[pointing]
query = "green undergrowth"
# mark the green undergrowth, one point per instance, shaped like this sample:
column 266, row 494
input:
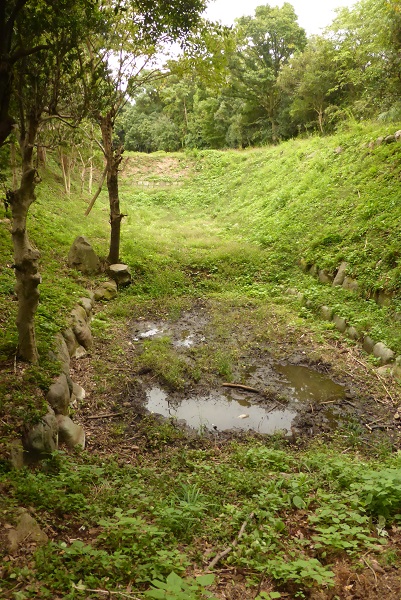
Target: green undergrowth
column 175, row 507
column 229, row 234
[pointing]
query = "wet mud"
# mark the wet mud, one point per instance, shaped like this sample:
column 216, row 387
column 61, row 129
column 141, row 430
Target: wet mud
column 293, row 396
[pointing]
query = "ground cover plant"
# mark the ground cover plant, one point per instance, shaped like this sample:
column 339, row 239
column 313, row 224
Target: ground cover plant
column 151, row 510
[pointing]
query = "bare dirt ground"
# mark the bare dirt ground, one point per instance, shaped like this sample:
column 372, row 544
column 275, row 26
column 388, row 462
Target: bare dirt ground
column 329, row 388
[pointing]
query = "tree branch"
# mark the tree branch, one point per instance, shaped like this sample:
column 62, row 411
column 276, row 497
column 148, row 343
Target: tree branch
column 92, row 202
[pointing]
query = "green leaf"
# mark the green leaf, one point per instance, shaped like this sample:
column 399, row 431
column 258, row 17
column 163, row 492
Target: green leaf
column 205, row 579
column 298, row 502
column 174, row 582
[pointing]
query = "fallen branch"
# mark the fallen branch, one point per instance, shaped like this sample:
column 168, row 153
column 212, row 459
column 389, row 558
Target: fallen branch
column 106, row 415
column 224, row 553
column 108, row 593
column 99, row 189
column 239, row 386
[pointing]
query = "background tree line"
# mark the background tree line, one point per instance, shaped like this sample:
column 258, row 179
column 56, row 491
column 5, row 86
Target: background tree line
column 274, row 82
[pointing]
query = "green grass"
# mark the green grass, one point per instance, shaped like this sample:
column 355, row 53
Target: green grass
column 230, row 234
column 157, row 516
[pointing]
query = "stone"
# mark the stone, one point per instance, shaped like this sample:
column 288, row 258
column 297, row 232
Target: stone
column 120, row 274
column 59, row 395
column 78, row 391
column 106, row 291
column 301, row 297
column 383, row 298
column 396, row 370
column 326, row 313
column 308, row 303
column 350, row 284
column 87, row 304
column 379, row 141
column 291, row 291
column 340, row 275
column 70, row 433
column 81, row 328
column 25, row 532
column 313, row 270
column 381, row 351
column 17, row 454
column 70, row 340
column 62, row 354
column 353, row 333
column 42, row 438
column 324, row 276
column 368, row 344
column 384, row 371
column 390, row 139
column 79, row 313
column 340, row 323
column 338, row 150
column 80, row 352
column 82, row 256
column 397, row 135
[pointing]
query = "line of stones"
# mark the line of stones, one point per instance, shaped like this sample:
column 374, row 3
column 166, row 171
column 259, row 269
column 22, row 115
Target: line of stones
column 378, row 349
column 56, row 426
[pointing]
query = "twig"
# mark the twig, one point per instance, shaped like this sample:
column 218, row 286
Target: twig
column 224, row 553
column 239, row 386
column 368, row 565
column 107, row 592
column 382, row 382
column 377, row 375
column 105, row 415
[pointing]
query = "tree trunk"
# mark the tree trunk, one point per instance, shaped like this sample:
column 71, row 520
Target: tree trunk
column 25, row 255
column 14, row 166
column 113, row 159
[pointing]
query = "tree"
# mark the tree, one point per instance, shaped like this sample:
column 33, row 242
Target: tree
column 136, row 33
column 35, row 96
column 310, row 80
column 266, row 42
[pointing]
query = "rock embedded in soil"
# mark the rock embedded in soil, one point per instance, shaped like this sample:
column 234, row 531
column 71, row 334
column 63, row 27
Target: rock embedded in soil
column 26, row 531
column 82, row 256
column 368, row 344
column 340, row 275
column 42, row 438
column 59, row 395
column 326, row 313
column 381, row 351
column 70, row 433
column 120, row 274
column 106, row 291
column 70, row 340
column 340, row 323
column 81, row 328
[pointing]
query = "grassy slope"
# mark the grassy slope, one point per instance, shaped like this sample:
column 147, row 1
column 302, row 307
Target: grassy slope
column 236, row 226
column 300, row 200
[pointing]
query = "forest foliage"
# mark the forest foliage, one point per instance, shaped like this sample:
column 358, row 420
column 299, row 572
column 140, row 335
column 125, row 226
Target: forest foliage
column 274, row 83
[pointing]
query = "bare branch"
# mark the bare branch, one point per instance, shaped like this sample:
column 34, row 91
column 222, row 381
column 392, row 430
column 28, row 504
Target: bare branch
column 92, row 202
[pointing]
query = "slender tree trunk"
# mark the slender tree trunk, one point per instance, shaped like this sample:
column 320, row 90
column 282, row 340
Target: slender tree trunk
column 26, row 257
column 14, row 166
column 113, row 159
column 65, row 167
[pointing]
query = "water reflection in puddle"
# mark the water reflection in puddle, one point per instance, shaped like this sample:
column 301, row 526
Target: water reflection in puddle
column 216, row 411
column 307, row 385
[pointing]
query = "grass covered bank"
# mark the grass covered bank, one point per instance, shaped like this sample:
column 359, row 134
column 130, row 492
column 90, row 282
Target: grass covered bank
column 221, row 230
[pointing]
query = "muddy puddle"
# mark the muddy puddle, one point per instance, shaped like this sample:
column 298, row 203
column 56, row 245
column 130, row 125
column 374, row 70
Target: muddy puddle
column 286, row 391
column 306, row 385
column 299, row 387
column 219, row 412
